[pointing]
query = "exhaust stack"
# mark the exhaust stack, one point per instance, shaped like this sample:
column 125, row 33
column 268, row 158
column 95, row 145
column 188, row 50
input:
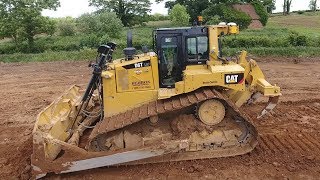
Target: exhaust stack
column 129, row 51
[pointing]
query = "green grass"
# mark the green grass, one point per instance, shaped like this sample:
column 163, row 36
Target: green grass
column 307, row 23
column 277, row 52
column 85, row 54
column 90, row 54
column 49, row 56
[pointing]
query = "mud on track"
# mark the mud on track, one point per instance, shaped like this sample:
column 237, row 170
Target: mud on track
column 289, row 138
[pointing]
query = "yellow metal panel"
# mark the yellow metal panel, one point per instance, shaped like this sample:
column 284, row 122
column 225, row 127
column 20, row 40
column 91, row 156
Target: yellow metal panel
column 137, row 79
column 179, row 87
column 214, row 33
column 120, row 100
column 135, row 76
column 137, row 59
column 109, row 84
column 227, row 68
column 193, row 67
column 239, row 97
column 155, row 71
column 201, row 76
column 267, row 89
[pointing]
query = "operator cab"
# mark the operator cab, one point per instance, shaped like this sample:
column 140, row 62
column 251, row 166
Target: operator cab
column 177, row 48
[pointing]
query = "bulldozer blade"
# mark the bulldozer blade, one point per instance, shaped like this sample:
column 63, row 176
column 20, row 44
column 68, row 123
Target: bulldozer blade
column 84, row 160
column 272, row 103
column 55, row 122
column 111, row 160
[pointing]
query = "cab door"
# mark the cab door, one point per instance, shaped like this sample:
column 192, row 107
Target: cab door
column 170, row 62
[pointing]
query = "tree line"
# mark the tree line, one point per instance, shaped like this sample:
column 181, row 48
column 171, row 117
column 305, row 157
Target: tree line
column 22, row 20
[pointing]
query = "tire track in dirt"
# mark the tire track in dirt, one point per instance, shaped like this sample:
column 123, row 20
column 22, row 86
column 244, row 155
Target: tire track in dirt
column 303, row 143
column 287, row 116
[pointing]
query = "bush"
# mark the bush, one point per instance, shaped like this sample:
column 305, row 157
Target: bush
column 64, row 47
column 90, row 41
column 255, row 41
column 158, row 17
column 8, row 48
column 25, row 48
column 105, row 39
column 179, row 16
column 214, row 20
column 100, row 24
column 59, row 43
column 261, row 11
column 313, row 41
column 297, row 40
column 227, row 14
column 66, row 26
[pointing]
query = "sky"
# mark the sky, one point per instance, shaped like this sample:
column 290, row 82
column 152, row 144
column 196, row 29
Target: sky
column 75, row 8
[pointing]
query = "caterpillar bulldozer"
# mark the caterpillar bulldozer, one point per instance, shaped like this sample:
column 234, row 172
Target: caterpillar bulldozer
column 180, row 102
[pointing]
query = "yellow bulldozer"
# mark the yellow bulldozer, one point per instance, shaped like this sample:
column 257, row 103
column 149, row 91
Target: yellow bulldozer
column 180, row 102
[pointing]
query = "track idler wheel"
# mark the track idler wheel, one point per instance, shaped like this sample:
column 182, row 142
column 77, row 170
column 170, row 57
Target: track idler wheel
column 211, row 112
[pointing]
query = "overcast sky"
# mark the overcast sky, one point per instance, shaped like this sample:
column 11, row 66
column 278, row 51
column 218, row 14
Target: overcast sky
column 75, row 8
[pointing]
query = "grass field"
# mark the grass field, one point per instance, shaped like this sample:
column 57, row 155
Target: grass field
column 278, row 38
column 307, row 23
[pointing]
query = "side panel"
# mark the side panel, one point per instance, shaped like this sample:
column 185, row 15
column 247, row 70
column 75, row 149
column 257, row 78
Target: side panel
column 135, row 77
column 117, row 99
column 227, row 76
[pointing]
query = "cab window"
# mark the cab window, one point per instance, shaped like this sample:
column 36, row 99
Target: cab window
column 197, row 48
column 169, row 66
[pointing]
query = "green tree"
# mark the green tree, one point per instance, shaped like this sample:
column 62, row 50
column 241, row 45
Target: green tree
column 179, row 16
column 106, row 23
column 130, row 12
column 226, row 13
column 261, row 11
column 22, row 19
column 313, row 5
column 195, row 8
column 270, row 5
column 66, row 26
column 286, row 7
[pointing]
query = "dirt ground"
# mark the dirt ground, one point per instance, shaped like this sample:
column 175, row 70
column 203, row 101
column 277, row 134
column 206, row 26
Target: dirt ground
column 289, row 143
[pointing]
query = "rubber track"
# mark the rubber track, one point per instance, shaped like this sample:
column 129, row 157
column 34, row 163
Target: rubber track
column 159, row 107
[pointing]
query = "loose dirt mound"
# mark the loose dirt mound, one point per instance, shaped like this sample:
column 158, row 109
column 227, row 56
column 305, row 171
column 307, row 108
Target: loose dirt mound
column 288, row 147
column 249, row 9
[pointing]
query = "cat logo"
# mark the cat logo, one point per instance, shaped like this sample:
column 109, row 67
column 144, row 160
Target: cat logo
column 138, row 65
column 146, row 63
column 234, row 78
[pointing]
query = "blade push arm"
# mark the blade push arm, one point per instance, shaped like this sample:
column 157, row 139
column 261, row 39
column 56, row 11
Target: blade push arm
column 256, row 85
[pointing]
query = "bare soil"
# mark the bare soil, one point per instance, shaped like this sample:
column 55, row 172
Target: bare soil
column 249, row 9
column 289, row 137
